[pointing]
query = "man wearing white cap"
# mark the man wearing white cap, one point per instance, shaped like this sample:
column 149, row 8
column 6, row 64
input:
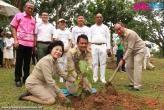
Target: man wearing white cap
column 44, row 31
column 65, row 36
column 100, row 44
column 80, row 29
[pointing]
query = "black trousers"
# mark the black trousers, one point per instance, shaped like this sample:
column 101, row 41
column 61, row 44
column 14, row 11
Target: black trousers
column 119, row 56
column 23, row 58
column 1, row 57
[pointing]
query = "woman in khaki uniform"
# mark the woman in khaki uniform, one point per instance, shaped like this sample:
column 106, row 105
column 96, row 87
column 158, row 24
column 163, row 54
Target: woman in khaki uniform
column 40, row 85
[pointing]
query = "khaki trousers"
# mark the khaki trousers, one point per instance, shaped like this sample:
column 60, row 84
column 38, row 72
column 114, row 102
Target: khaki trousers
column 134, row 69
column 41, row 91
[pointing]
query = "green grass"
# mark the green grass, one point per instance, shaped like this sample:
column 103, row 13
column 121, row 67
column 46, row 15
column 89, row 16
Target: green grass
column 153, row 87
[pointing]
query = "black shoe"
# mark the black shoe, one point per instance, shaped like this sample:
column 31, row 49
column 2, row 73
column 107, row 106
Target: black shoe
column 130, row 85
column 27, row 93
column 134, row 89
column 18, row 84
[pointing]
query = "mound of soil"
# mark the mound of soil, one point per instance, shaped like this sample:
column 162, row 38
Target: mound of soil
column 106, row 100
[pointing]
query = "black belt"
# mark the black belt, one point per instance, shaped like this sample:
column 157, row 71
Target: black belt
column 44, row 42
column 98, row 43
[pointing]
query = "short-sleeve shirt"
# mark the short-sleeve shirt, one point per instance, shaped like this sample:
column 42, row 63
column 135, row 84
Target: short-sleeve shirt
column 100, row 34
column 76, row 31
column 75, row 55
column 25, row 27
column 63, row 35
column 118, row 41
column 44, row 31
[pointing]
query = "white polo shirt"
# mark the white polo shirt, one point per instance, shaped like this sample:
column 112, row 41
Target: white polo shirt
column 100, row 34
column 76, row 31
column 44, row 31
column 63, row 35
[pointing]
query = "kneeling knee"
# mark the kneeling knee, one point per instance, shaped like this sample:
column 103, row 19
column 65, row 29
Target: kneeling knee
column 50, row 101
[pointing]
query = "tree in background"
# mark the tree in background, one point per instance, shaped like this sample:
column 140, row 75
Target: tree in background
column 150, row 26
column 146, row 25
column 155, row 26
column 67, row 9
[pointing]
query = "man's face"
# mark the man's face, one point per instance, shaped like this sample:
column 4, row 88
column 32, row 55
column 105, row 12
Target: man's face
column 119, row 29
column 99, row 19
column 62, row 25
column 80, row 20
column 44, row 17
column 29, row 8
column 82, row 44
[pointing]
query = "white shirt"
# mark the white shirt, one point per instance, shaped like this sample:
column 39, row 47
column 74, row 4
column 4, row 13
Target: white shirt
column 9, row 42
column 63, row 35
column 100, row 34
column 76, row 31
column 44, row 31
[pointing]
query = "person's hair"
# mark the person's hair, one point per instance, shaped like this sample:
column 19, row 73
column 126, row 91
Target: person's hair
column 148, row 45
column 29, row 2
column 122, row 24
column 54, row 44
column 43, row 11
column 98, row 13
column 80, row 15
column 82, row 36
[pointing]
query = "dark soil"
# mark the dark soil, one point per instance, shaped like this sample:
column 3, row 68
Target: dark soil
column 106, row 100
column 110, row 99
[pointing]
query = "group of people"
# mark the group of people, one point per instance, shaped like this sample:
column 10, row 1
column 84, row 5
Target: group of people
column 60, row 52
column 30, row 36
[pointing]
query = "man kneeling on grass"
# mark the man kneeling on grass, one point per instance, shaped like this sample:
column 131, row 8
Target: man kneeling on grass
column 79, row 66
column 40, row 85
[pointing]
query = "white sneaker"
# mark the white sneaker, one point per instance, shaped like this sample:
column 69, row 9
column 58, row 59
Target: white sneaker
column 103, row 81
column 94, row 81
column 137, row 86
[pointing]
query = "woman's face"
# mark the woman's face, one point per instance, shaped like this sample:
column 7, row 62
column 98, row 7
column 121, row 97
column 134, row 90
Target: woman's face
column 56, row 52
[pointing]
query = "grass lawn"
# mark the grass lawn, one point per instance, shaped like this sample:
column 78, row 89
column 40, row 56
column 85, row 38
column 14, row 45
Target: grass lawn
column 153, row 87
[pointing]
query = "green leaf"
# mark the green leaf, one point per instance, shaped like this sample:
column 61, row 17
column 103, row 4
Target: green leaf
column 77, row 82
column 83, row 66
column 79, row 92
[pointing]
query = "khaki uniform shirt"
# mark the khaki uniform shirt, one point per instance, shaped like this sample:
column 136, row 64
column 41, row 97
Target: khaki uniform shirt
column 75, row 55
column 132, row 43
column 44, row 71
